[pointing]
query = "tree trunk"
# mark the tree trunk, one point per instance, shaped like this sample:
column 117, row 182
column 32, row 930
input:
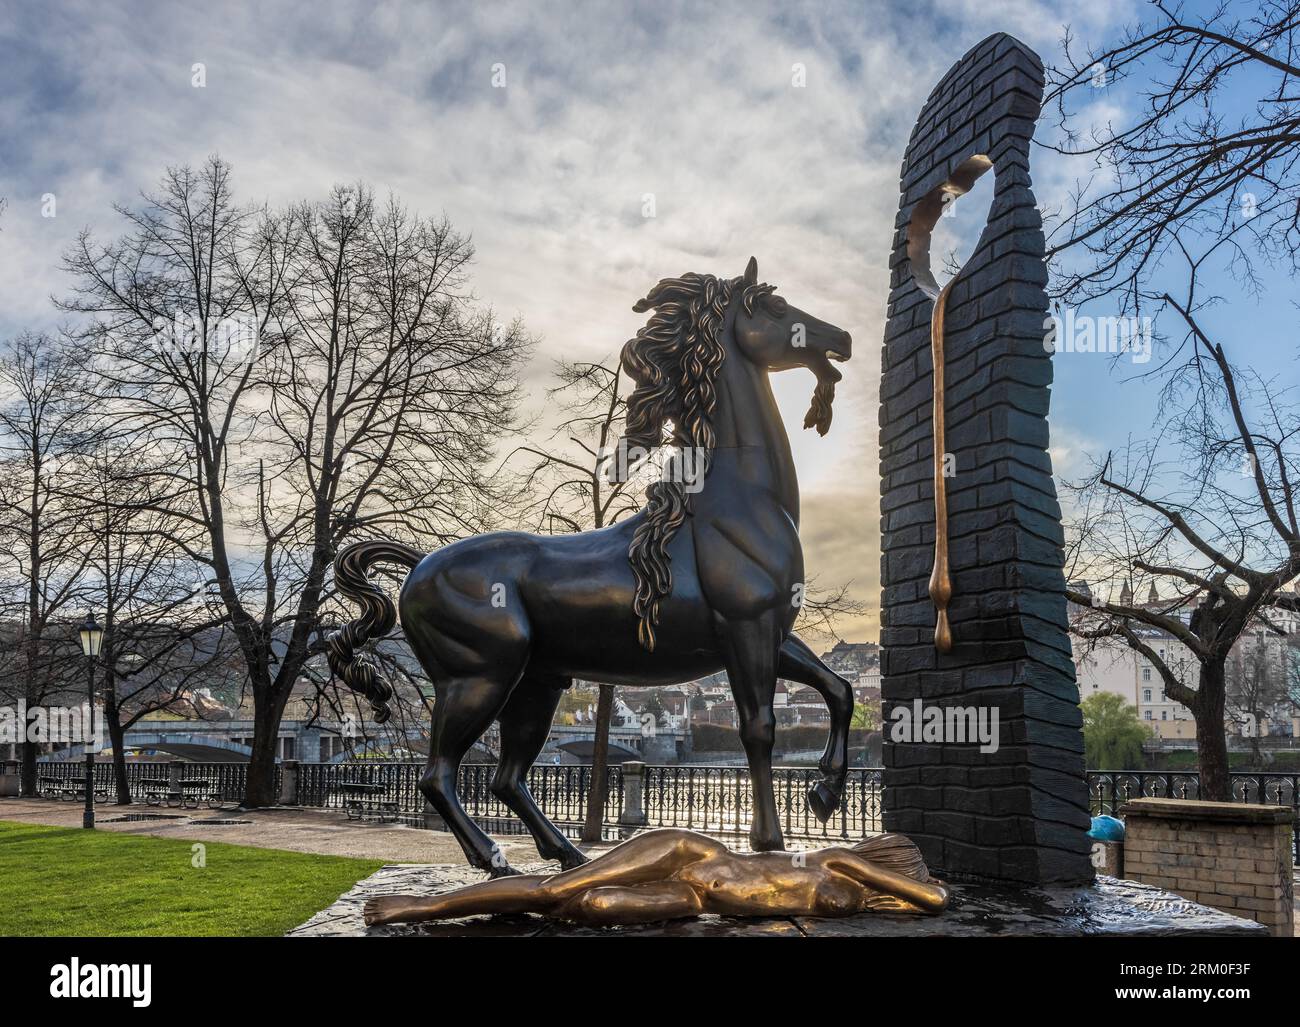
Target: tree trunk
column 592, row 828
column 1211, row 744
column 27, row 766
column 259, row 790
column 27, row 784
column 116, row 738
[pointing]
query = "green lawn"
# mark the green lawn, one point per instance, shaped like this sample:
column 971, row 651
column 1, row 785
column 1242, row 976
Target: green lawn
column 71, row 882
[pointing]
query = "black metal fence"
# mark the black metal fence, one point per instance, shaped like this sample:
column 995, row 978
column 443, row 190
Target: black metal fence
column 1108, row 790
column 705, row 798
column 229, row 779
column 562, row 791
column 713, row 799
column 720, row 800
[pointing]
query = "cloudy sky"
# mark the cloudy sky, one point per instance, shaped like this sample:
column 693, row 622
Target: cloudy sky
column 602, row 104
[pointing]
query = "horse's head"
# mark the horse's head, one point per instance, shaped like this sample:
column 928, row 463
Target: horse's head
column 777, row 336
column 676, row 356
column 675, row 360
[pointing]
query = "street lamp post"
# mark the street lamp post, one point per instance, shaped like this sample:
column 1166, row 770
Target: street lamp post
column 92, row 637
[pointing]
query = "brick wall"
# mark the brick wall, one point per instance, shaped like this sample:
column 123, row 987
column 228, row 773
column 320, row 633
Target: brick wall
column 1018, row 815
column 1231, row 856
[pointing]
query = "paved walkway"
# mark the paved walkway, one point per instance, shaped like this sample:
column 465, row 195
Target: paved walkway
column 328, row 832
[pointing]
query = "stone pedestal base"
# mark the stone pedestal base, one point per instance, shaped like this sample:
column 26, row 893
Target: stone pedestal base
column 1108, row 907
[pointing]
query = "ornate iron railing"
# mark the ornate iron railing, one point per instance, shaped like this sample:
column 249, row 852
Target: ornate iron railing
column 319, row 783
column 230, row 778
column 1108, row 790
column 716, row 799
column 66, row 771
column 712, row 799
column 720, row 800
column 561, row 791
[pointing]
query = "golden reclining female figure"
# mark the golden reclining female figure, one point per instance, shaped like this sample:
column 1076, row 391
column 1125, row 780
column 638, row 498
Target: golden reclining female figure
column 672, row 873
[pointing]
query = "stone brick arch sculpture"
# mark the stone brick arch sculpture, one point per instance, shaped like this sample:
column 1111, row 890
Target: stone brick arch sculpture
column 1017, row 813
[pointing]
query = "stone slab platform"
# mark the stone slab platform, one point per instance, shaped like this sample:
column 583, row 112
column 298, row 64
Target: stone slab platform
column 1110, row 908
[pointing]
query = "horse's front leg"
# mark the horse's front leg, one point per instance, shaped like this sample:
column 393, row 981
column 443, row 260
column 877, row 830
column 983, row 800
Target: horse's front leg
column 750, row 649
column 798, row 663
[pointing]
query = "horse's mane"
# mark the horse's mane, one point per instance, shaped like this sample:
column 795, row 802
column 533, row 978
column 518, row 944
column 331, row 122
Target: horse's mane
column 674, row 360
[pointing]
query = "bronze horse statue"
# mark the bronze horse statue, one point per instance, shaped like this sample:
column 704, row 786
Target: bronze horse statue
column 504, row 622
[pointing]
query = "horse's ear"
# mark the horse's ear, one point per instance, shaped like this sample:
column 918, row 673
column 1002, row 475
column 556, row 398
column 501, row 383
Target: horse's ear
column 751, row 272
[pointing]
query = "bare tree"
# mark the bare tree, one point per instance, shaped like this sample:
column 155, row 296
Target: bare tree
column 42, row 426
column 823, row 608
column 1291, row 676
column 1222, row 538
column 1206, row 505
column 164, row 636
column 1256, row 684
column 309, row 375
column 1191, row 159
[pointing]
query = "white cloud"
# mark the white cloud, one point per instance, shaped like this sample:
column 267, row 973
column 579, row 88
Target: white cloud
column 692, row 103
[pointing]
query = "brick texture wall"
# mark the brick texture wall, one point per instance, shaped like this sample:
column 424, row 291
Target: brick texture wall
column 1018, row 815
column 1231, row 856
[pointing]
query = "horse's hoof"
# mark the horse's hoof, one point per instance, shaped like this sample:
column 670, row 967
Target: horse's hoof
column 573, row 860
column 504, row 870
column 776, row 844
column 823, row 801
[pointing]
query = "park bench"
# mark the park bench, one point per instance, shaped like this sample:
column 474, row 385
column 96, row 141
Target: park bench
column 158, row 791
column 362, row 799
column 190, row 793
column 196, row 790
column 75, row 788
column 50, row 787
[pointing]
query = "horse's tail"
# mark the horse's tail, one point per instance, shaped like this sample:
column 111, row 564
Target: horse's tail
column 378, row 616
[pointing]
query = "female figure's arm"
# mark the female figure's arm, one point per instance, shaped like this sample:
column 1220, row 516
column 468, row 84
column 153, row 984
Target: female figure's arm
column 929, row 896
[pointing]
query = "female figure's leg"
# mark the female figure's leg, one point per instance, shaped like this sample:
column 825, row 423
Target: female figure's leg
column 644, row 859
column 648, row 858
column 634, row 904
column 520, row 893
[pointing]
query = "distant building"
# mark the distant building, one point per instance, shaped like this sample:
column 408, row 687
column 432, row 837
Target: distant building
column 853, row 659
column 723, row 713
column 1111, row 665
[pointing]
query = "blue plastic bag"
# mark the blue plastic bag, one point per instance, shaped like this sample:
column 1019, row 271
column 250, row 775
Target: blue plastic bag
column 1107, row 829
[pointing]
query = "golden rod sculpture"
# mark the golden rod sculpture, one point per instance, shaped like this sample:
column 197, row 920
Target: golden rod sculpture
column 940, row 577
column 672, row 873
column 925, row 215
